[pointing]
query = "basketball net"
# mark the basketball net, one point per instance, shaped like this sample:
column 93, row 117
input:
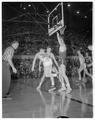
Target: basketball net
column 62, row 30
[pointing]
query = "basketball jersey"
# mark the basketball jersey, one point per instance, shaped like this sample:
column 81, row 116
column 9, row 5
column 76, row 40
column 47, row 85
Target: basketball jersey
column 47, row 61
column 9, row 52
column 41, row 56
column 81, row 59
column 62, row 48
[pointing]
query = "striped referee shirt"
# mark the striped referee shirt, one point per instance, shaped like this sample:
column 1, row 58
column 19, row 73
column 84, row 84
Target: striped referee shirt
column 8, row 53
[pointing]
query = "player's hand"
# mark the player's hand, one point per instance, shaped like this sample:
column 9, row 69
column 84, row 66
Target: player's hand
column 15, row 70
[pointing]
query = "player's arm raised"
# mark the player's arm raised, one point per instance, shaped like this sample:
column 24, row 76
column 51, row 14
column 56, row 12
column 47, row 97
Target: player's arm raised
column 59, row 38
column 52, row 55
column 34, row 61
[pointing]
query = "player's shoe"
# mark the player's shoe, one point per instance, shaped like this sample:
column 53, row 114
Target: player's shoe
column 62, row 89
column 68, row 90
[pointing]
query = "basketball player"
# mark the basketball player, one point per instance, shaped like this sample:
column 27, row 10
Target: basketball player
column 62, row 69
column 54, row 71
column 51, row 55
column 90, row 47
column 7, row 63
column 82, row 65
column 47, row 61
column 40, row 55
column 88, row 62
column 62, row 46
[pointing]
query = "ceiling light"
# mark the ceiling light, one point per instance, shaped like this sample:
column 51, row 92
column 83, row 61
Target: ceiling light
column 24, row 8
column 85, row 16
column 78, row 12
column 29, row 5
column 68, row 4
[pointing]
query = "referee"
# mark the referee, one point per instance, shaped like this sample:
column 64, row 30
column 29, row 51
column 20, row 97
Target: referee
column 6, row 64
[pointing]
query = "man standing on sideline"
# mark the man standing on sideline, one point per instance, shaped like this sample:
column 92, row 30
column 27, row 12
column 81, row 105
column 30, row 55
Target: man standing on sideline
column 6, row 64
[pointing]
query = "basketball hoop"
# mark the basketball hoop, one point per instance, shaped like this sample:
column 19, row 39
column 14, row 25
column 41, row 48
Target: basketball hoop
column 62, row 30
column 55, row 19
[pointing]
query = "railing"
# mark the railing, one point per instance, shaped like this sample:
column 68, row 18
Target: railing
column 32, row 56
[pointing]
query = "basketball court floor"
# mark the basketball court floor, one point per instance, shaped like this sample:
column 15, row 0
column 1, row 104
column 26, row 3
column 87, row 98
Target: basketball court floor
column 27, row 102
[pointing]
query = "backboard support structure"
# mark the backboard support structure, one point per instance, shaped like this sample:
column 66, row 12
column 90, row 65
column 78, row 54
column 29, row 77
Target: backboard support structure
column 55, row 19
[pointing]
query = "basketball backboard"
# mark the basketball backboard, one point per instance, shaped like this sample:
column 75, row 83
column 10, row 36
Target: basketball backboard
column 55, row 19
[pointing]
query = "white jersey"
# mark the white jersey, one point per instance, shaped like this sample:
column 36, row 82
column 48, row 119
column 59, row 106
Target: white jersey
column 41, row 56
column 62, row 48
column 81, row 59
column 47, row 62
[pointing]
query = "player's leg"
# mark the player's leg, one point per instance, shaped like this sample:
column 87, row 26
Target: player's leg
column 69, row 89
column 41, row 82
column 79, row 72
column 62, row 83
column 87, row 73
column 52, row 83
